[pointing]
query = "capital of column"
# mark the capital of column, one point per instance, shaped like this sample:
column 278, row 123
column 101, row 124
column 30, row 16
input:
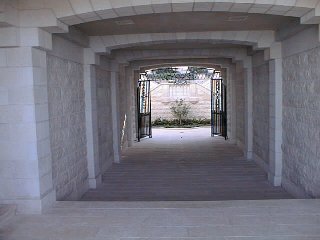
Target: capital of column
column 247, row 62
column 90, row 57
column 25, row 37
column 114, row 66
column 273, row 52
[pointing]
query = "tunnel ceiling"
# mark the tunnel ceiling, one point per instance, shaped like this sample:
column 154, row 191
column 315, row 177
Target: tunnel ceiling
column 185, row 22
column 183, row 45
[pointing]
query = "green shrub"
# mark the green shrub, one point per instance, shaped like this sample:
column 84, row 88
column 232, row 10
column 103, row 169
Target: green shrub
column 180, row 110
column 184, row 123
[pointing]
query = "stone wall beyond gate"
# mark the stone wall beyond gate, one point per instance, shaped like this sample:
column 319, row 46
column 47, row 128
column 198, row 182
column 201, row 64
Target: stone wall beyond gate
column 197, row 95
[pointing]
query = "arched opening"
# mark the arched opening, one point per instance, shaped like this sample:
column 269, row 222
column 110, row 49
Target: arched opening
column 186, row 165
column 98, row 41
column 68, row 120
column 181, row 97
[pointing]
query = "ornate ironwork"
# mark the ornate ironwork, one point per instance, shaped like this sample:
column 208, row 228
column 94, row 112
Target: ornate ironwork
column 218, row 108
column 179, row 75
column 144, row 110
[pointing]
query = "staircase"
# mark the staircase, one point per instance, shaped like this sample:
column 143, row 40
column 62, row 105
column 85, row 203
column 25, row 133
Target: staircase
column 184, row 165
column 7, row 212
column 226, row 220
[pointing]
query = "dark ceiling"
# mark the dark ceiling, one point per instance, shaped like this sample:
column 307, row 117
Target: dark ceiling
column 185, row 22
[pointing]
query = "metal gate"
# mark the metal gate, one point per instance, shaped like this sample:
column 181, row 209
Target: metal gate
column 144, row 110
column 218, row 108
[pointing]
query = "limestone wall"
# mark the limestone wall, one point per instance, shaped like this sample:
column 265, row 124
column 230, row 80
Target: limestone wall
column 240, row 106
column 67, row 119
column 301, row 113
column 260, row 109
column 104, row 116
column 198, row 96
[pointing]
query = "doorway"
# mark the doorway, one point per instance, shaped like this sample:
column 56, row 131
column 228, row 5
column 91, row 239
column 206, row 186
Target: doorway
column 181, row 83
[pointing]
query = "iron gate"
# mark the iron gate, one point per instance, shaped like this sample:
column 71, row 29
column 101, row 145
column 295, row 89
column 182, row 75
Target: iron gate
column 144, row 110
column 218, row 99
column 218, row 108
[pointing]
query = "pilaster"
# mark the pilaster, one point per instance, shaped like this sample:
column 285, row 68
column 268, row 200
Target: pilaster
column 232, row 113
column 248, row 108
column 275, row 114
column 115, row 111
column 130, row 101
column 25, row 154
column 94, row 171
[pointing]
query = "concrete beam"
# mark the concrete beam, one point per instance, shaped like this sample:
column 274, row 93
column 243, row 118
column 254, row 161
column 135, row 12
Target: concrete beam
column 75, row 12
column 259, row 39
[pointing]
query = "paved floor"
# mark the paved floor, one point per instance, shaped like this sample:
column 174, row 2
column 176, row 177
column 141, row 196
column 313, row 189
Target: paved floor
column 228, row 220
column 184, row 165
column 289, row 219
column 6, row 212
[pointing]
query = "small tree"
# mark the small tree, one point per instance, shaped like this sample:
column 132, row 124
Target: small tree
column 180, row 110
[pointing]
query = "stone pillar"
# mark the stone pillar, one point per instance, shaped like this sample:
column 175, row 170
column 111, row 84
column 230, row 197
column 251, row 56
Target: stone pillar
column 94, row 170
column 115, row 112
column 248, row 108
column 231, row 104
column 225, row 71
column 275, row 114
column 135, row 106
column 25, row 155
column 130, row 94
column 123, row 106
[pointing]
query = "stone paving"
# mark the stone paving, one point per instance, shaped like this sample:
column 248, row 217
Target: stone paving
column 184, row 165
column 227, row 220
column 286, row 219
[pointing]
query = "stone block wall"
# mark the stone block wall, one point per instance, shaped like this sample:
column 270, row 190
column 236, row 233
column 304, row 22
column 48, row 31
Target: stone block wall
column 67, row 119
column 198, row 96
column 260, row 109
column 104, row 116
column 301, row 113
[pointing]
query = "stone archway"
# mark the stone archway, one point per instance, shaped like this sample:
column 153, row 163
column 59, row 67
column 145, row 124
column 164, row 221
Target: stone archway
column 26, row 38
column 63, row 13
column 226, row 66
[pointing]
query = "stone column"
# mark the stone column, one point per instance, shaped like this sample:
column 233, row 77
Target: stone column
column 248, row 108
column 275, row 113
column 231, row 101
column 136, row 75
column 226, row 79
column 90, row 58
column 25, row 155
column 123, row 105
column 115, row 111
column 130, row 102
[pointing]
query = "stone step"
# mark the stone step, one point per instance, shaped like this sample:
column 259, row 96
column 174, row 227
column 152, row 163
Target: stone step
column 169, row 168
column 204, row 220
column 7, row 212
column 295, row 206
